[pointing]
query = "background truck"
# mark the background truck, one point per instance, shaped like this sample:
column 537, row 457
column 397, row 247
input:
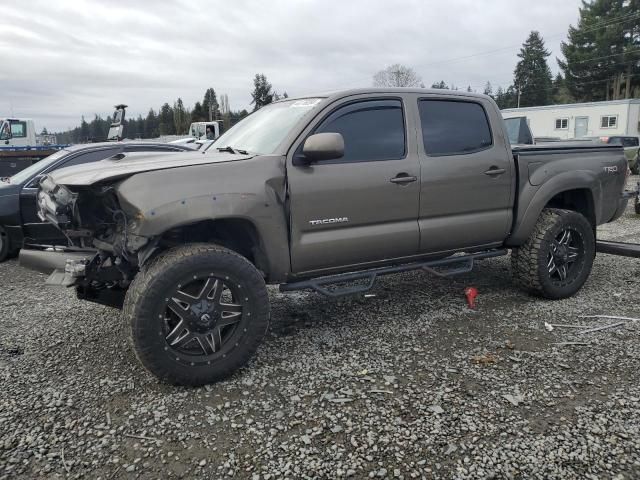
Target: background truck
column 315, row 193
column 19, row 146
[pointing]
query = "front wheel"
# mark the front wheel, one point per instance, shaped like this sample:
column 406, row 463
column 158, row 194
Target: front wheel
column 557, row 258
column 5, row 245
column 197, row 313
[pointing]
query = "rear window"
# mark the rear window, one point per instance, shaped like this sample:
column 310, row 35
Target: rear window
column 453, row 127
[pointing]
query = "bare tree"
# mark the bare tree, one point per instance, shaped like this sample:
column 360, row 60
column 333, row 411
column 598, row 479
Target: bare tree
column 397, row 76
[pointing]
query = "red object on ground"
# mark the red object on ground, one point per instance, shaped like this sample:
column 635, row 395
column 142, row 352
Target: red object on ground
column 471, row 293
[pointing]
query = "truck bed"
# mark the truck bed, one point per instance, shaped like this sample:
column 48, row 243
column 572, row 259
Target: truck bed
column 585, row 170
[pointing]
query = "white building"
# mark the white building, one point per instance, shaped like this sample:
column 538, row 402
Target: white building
column 577, row 120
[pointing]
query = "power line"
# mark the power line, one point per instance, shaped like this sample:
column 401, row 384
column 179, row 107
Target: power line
column 605, row 23
column 609, row 56
column 509, row 82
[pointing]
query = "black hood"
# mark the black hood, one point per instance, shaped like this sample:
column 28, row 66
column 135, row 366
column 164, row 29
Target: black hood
column 7, row 189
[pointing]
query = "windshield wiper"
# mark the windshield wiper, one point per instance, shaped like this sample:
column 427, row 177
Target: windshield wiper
column 232, row 150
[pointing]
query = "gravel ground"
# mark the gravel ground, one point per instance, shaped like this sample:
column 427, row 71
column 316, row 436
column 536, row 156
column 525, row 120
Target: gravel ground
column 407, row 384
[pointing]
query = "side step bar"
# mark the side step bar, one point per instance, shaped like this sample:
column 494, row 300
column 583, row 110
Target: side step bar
column 458, row 264
column 618, row 248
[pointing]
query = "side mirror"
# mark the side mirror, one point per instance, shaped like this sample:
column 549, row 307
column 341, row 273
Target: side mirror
column 323, row 146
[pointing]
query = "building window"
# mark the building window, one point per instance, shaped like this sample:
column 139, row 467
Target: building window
column 609, row 121
column 562, row 123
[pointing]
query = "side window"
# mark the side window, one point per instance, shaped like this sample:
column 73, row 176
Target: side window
column 453, row 127
column 18, row 129
column 372, row 130
column 89, row 157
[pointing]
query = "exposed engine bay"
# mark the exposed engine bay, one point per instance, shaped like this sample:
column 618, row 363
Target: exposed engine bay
column 93, row 221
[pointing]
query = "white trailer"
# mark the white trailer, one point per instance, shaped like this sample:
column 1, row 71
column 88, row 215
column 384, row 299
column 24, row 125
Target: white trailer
column 580, row 120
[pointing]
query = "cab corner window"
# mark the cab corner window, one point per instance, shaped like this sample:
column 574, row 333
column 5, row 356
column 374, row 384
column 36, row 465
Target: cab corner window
column 451, row 127
column 373, row 130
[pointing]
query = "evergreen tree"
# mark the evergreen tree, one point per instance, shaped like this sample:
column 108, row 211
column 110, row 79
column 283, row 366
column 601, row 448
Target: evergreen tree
column 506, row 98
column 84, row 131
column 179, row 117
column 561, row 93
column 210, row 100
column 198, row 114
column 532, row 76
column 602, row 53
column 150, row 127
column 440, row 85
column 262, row 94
column 166, row 126
column 488, row 89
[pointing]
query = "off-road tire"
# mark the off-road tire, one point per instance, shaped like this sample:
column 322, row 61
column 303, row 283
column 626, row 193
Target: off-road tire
column 145, row 303
column 529, row 262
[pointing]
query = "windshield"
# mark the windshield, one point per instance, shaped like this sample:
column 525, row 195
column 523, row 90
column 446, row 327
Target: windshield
column 262, row 131
column 33, row 170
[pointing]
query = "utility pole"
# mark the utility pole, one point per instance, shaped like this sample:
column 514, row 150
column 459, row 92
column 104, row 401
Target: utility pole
column 518, row 98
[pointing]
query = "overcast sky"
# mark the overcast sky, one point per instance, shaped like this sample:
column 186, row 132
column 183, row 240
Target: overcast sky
column 63, row 59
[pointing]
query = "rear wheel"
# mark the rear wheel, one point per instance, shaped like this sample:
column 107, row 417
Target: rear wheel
column 557, row 258
column 197, row 313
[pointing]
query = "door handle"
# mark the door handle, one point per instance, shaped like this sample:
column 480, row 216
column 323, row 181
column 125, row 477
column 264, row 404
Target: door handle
column 495, row 171
column 403, row 178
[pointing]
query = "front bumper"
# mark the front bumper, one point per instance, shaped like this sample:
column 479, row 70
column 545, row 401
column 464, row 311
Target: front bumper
column 50, row 260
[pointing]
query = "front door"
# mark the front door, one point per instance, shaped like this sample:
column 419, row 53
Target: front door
column 582, row 127
column 466, row 199
column 363, row 207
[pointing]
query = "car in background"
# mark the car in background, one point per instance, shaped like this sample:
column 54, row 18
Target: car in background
column 631, row 145
column 19, row 222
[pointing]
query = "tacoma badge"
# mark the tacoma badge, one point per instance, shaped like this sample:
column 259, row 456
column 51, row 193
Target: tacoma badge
column 329, row 220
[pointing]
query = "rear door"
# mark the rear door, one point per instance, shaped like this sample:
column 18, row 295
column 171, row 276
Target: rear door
column 363, row 207
column 466, row 194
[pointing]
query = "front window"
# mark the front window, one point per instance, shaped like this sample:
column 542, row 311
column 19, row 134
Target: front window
column 262, row 131
column 562, row 123
column 372, row 130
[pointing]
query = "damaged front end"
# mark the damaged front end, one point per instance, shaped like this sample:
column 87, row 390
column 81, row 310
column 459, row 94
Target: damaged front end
column 93, row 221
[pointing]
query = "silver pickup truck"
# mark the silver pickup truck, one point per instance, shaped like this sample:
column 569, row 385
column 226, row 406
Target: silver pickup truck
column 315, row 193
